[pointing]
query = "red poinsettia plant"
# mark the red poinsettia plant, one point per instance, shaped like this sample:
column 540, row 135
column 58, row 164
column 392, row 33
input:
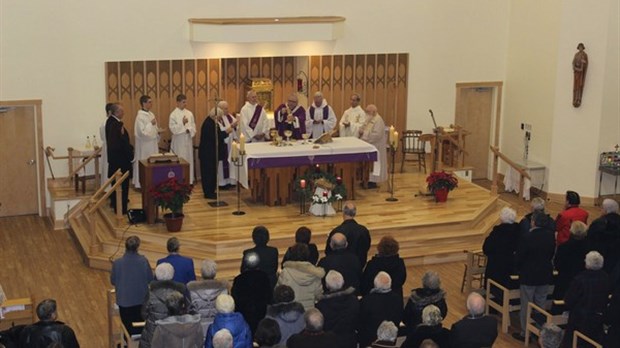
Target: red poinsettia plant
column 439, row 180
column 171, row 194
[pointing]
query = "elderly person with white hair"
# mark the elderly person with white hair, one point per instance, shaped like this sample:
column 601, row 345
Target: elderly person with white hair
column 476, row 329
column 500, row 247
column 228, row 123
column 253, row 124
column 204, row 292
column 430, row 293
column 227, row 318
column 340, row 308
column 252, row 290
column 222, row 339
column 387, row 334
column 320, row 117
column 536, row 205
column 569, row 258
column 373, row 132
column 604, row 234
column 313, row 335
column 155, row 308
column 379, row 305
column 550, row 336
column 586, row 300
column 344, row 261
column 431, row 327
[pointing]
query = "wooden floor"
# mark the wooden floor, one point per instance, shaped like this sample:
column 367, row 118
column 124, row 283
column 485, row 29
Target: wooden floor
column 45, row 263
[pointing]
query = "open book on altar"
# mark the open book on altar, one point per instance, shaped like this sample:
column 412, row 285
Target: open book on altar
column 166, row 157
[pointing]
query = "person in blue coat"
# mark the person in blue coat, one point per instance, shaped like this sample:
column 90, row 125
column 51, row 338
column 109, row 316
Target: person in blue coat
column 227, row 318
column 183, row 266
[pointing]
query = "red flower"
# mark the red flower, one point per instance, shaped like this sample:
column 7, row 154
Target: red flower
column 438, row 180
column 171, row 194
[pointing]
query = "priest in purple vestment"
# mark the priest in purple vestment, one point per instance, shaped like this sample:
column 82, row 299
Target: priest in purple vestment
column 291, row 115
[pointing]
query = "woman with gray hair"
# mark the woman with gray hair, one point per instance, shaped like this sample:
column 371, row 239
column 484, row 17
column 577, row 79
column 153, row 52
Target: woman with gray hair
column 387, row 334
column 430, row 293
column 586, row 300
column 569, row 258
column 155, row 308
column 500, row 247
column 382, row 303
column 431, row 327
column 204, row 292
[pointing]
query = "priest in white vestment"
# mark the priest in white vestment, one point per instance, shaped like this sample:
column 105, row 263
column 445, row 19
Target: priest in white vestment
column 320, row 117
column 228, row 123
column 183, row 128
column 103, row 160
column 373, row 132
column 353, row 118
column 147, row 136
column 253, row 124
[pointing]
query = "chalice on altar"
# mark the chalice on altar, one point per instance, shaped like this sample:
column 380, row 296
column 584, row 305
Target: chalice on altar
column 287, row 134
column 305, row 136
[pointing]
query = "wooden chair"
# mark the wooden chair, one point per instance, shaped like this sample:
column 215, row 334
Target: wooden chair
column 508, row 304
column 414, row 144
column 475, row 266
column 534, row 327
column 23, row 312
column 578, row 335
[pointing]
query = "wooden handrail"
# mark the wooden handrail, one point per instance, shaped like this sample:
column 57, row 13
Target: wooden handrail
column 106, row 184
column 86, row 161
column 117, row 184
column 522, row 173
column 49, row 151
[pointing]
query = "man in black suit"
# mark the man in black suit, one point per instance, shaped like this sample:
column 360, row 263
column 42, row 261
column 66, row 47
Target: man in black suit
column 475, row 330
column 212, row 149
column 119, row 150
column 535, row 266
column 343, row 261
column 358, row 236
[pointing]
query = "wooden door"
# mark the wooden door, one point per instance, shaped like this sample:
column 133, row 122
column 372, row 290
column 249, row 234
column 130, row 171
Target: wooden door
column 18, row 172
column 474, row 111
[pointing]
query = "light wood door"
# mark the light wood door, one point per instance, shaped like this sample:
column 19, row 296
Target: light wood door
column 18, row 171
column 474, row 111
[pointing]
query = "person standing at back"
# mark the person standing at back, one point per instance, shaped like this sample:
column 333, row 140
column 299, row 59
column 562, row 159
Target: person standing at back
column 358, row 236
column 120, row 152
column 183, row 129
column 571, row 213
column 147, row 136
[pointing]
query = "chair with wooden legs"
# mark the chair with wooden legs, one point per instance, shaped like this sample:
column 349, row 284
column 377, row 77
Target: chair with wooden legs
column 509, row 301
column 577, row 336
column 475, row 266
column 18, row 311
column 413, row 143
column 533, row 327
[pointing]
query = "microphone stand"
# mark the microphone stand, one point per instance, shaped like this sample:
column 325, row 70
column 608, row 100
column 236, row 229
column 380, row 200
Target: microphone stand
column 238, row 162
column 216, row 128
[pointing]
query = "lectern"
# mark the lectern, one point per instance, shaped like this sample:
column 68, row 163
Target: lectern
column 152, row 174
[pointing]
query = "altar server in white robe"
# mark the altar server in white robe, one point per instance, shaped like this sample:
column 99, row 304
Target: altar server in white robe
column 147, row 136
column 320, row 117
column 373, row 132
column 353, row 118
column 228, row 123
column 183, row 128
column 103, row 161
column 253, row 124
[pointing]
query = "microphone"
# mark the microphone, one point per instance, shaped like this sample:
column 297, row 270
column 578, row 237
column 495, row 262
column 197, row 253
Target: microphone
column 431, row 111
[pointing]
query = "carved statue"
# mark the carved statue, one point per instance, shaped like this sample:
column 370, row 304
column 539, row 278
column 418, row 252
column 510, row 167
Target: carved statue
column 580, row 67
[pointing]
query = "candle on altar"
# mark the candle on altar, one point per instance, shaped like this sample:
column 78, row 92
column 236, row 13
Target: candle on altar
column 391, row 134
column 302, row 183
column 338, row 180
column 235, row 151
column 324, row 193
column 317, row 168
column 395, row 144
column 242, row 143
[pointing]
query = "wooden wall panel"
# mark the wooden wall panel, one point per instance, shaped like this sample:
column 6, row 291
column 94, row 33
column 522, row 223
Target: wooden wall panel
column 380, row 79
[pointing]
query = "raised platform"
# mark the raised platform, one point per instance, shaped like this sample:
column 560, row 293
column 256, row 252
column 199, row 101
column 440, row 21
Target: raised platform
column 428, row 232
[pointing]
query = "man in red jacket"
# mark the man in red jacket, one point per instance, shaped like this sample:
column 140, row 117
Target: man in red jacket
column 571, row 213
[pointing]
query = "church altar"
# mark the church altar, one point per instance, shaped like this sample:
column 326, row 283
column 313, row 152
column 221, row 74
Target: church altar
column 269, row 171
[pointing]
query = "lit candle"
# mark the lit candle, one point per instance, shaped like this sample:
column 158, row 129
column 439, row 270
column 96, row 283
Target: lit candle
column 317, row 168
column 395, row 144
column 338, row 180
column 324, row 193
column 302, row 183
column 235, row 151
column 391, row 134
column 242, row 143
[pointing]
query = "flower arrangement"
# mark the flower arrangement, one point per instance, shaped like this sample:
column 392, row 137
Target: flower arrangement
column 331, row 185
column 440, row 180
column 171, row 194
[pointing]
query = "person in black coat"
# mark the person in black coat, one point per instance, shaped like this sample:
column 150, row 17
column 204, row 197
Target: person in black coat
column 211, row 150
column 252, row 291
column 119, row 151
column 430, row 328
column 604, row 234
column 537, row 205
column 267, row 255
column 476, row 329
column 535, row 266
column 382, row 303
column 569, row 258
column 48, row 329
column 340, row 308
column 358, row 236
column 586, row 300
column 313, row 335
column 500, row 247
column 612, row 319
column 303, row 235
column 429, row 293
column 343, row 261
column 386, row 260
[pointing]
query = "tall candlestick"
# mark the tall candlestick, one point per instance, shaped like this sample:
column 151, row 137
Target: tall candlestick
column 235, row 151
column 395, row 143
column 242, row 143
column 391, row 134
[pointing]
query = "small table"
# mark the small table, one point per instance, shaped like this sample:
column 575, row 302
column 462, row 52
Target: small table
column 536, row 171
column 614, row 171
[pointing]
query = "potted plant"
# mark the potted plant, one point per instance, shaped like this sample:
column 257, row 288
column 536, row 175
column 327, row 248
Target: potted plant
column 172, row 194
column 440, row 183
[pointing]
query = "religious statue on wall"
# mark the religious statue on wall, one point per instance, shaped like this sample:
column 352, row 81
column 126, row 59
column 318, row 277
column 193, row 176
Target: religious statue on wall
column 580, row 67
